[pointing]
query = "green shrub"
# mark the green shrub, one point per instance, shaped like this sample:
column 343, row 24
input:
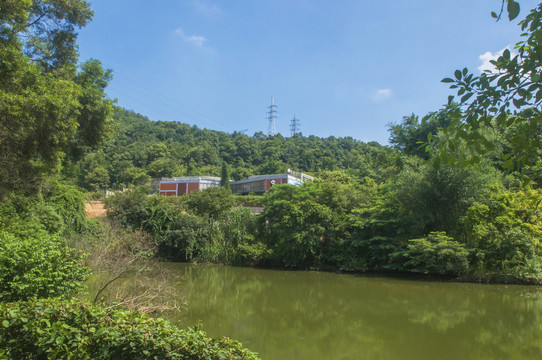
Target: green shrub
column 435, row 254
column 213, row 202
column 68, row 202
column 58, row 209
column 503, row 233
column 38, row 266
column 71, row 329
column 199, row 227
column 128, row 208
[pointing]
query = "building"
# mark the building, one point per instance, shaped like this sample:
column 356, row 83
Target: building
column 254, row 184
column 262, row 183
column 185, row 185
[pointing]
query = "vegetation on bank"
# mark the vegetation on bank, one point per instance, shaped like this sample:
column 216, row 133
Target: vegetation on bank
column 68, row 329
column 467, row 223
column 41, row 276
column 466, row 206
column 53, row 112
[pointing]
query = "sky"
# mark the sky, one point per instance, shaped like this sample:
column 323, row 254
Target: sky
column 342, row 67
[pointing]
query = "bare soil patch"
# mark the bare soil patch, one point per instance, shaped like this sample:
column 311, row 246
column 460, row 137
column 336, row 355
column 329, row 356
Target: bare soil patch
column 95, row 209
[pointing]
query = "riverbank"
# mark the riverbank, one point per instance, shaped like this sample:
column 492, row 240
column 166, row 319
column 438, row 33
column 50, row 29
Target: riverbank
column 298, row 231
column 283, row 314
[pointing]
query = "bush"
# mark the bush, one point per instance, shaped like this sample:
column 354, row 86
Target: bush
column 39, row 266
column 128, row 208
column 503, row 233
column 214, row 202
column 71, row 329
column 199, row 227
column 436, row 254
column 68, row 203
column 58, row 209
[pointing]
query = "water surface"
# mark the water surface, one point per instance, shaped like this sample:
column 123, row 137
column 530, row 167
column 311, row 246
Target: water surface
column 318, row 315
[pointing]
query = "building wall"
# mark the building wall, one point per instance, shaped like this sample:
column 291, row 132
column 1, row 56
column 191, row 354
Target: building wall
column 192, row 187
column 168, row 189
column 269, row 183
column 181, row 189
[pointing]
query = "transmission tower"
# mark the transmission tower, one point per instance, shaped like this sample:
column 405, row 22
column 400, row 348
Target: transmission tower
column 272, row 116
column 295, row 126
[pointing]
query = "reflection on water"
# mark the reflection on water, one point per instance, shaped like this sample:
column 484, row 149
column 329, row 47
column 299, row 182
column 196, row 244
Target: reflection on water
column 316, row 315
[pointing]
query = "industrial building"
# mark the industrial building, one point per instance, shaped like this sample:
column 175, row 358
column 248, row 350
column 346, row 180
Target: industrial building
column 178, row 186
column 254, row 184
column 262, row 183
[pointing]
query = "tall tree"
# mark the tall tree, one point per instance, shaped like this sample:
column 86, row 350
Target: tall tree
column 225, row 176
column 43, row 101
column 411, row 133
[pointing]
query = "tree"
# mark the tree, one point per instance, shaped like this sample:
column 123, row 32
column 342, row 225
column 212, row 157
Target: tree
column 213, row 202
column 44, row 30
column 94, row 108
column 38, row 116
column 509, row 95
column 225, row 176
column 408, row 135
column 43, row 101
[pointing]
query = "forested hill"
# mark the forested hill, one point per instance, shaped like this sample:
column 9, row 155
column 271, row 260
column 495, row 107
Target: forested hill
column 139, row 149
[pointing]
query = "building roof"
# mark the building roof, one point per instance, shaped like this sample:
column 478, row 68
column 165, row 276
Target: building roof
column 190, row 179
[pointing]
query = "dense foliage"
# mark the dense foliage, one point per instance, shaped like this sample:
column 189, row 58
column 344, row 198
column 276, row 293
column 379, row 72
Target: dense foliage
column 53, row 112
column 40, row 266
column 507, row 96
column 371, row 207
column 199, row 227
column 450, row 221
column 71, row 329
column 49, row 111
column 142, row 149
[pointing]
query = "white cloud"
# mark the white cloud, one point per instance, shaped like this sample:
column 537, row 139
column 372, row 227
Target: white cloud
column 382, row 94
column 486, row 57
column 196, row 40
column 209, row 10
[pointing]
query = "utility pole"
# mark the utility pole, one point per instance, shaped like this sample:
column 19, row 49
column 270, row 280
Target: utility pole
column 295, row 126
column 271, row 131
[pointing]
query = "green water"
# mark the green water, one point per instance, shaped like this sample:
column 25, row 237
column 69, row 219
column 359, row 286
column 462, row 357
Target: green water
column 318, row 315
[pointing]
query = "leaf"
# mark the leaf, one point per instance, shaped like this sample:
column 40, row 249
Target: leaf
column 447, row 80
column 513, row 9
column 466, row 97
column 508, row 164
column 5, row 323
column 458, row 74
column 494, row 14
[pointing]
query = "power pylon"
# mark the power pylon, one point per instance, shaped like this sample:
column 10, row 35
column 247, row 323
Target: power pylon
column 295, row 126
column 271, row 131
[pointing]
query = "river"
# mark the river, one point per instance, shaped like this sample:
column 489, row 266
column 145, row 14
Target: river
column 318, row 315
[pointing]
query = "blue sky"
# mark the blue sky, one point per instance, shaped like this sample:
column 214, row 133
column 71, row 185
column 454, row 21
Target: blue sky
column 343, row 67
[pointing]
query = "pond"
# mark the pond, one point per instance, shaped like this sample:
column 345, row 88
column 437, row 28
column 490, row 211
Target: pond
column 318, row 315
